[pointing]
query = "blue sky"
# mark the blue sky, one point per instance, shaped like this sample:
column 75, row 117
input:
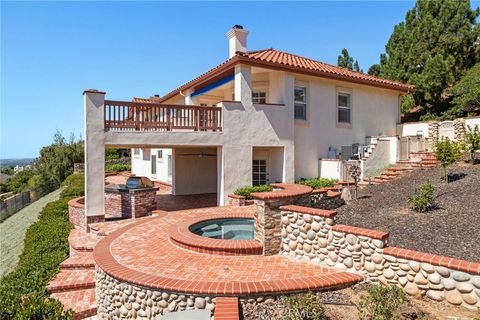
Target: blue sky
column 52, row 51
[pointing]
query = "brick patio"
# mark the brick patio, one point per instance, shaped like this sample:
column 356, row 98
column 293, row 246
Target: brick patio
column 142, row 254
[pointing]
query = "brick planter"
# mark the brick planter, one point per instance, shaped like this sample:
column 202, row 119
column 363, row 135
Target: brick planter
column 235, row 200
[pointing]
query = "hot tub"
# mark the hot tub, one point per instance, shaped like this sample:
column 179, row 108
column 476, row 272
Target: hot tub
column 226, row 229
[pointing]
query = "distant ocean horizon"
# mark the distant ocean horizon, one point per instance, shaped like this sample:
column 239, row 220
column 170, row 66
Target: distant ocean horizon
column 15, row 161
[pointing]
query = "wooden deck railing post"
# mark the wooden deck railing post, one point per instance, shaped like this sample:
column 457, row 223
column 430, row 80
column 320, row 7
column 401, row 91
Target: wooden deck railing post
column 169, row 122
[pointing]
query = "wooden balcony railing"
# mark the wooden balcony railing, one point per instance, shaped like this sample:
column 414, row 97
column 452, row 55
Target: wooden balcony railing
column 139, row 116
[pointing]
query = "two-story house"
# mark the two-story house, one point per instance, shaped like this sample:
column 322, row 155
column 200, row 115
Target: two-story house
column 259, row 117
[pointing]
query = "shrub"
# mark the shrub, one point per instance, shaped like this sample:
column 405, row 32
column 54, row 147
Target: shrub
column 447, row 152
column 317, row 183
column 22, row 291
column 246, row 191
column 76, row 186
column 381, row 302
column 422, row 198
column 117, row 167
column 303, row 306
column 472, row 140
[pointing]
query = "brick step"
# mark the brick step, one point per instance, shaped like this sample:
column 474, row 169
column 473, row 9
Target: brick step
column 79, row 261
column 333, row 194
column 82, row 302
column 80, row 241
column 430, row 161
column 384, row 177
column 67, row 280
column 392, row 173
column 226, row 308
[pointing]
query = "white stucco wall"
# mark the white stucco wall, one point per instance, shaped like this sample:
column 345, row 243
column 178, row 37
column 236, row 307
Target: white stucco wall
column 330, row 168
column 374, row 112
column 412, row 128
column 141, row 164
column 472, row 122
column 195, row 174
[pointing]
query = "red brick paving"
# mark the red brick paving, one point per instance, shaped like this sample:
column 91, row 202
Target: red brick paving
column 226, row 308
column 81, row 242
column 142, row 253
column 82, row 301
column 72, row 279
column 169, row 202
column 81, row 260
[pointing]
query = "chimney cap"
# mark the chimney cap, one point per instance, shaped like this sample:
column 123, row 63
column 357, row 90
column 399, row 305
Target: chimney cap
column 237, row 26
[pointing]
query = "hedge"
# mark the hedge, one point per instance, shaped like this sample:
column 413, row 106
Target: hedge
column 317, row 183
column 117, row 167
column 246, row 191
column 22, row 291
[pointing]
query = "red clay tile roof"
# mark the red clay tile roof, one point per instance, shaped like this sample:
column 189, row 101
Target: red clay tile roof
column 274, row 59
column 288, row 59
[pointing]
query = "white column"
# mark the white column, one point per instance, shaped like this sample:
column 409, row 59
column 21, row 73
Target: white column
column 235, row 170
column 189, row 100
column 243, row 81
column 94, row 154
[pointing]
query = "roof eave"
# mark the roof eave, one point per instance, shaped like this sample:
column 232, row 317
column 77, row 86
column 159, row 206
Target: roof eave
column 273, row 65
column 284, row 67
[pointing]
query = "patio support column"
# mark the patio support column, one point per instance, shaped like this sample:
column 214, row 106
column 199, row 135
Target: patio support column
column 94, row 156
column 243, row 81
column 234, row 169
column 189, row 100
column 281, row 91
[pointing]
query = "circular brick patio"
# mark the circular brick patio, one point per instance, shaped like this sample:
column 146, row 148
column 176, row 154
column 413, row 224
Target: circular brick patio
column 143, row 254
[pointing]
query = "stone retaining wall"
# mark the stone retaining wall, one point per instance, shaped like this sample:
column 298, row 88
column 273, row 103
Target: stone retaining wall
column 312, row 234
column 116, row 299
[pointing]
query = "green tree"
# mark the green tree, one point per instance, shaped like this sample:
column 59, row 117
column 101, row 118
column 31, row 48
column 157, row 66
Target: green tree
column 447, row 152
column 344, row 60
column 472, row 140
column 374, row 70
column 466, row 93
column 432, row 49
column 8, row 170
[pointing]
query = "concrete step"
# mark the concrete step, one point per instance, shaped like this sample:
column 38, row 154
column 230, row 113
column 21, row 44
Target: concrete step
column 82, row 302
column 67, row 280
column 79, row 261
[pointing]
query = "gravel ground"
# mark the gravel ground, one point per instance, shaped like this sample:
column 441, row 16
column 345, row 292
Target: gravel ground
column 12, row 231
column 452, row 229
column 341, row 304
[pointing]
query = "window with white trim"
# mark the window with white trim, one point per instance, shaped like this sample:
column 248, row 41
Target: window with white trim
column 136, row 151
column 160, row 155
column 300, row 103
column 344, row 107
column 259, row 97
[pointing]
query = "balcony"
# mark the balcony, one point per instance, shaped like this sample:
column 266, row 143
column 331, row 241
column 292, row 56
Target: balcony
column 144, row 116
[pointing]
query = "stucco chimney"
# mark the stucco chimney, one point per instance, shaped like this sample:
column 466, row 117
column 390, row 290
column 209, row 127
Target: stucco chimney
column 237, row 40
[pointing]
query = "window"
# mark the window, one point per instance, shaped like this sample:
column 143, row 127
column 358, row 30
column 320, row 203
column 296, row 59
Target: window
column 259, row 97
column 160, row 155
column 259, row 172
column 301, row 103
column 344, row 109
column 136, row 151
column 169, row 164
